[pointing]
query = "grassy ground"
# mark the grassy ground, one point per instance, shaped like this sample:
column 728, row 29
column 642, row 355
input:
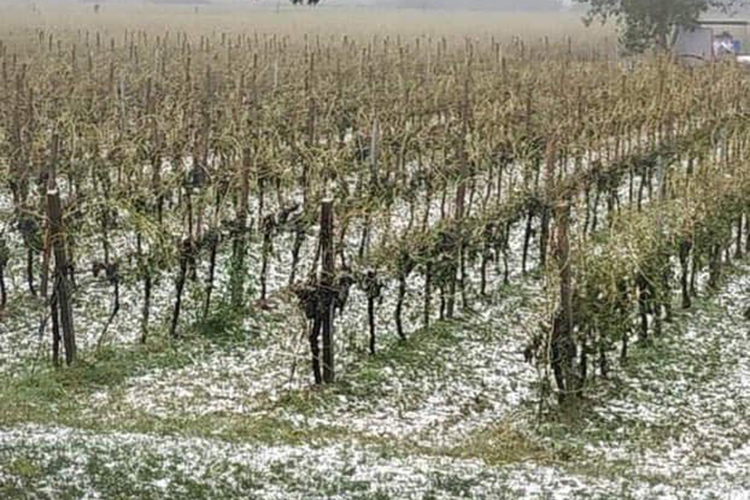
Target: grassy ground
column 428, row 418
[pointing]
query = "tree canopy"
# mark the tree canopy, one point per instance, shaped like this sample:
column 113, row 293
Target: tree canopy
column 648, row 23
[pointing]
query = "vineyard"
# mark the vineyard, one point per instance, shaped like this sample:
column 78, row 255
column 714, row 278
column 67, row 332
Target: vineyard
column 270, row 262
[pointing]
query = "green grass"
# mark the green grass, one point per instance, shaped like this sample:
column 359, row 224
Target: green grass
column 58, row 396
column 51, row 396
column 44, row 393
column 502, row 443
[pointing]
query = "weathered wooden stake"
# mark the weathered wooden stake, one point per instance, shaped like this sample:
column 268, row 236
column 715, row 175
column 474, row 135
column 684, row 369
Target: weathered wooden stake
column 61, row 303
column 563, row 345
column 4, row 258
column 327, row 279
column 239, row 245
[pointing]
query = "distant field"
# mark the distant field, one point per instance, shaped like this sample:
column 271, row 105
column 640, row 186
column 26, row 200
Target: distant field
column 321, row 20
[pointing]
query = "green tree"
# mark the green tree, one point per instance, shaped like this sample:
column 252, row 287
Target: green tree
column 653, row 23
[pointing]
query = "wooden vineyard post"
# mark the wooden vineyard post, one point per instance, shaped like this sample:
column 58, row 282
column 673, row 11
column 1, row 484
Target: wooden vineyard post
column 563, row 345
column 239, row 243
column 61, row 306
column 4, row 258
column 327, row 277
